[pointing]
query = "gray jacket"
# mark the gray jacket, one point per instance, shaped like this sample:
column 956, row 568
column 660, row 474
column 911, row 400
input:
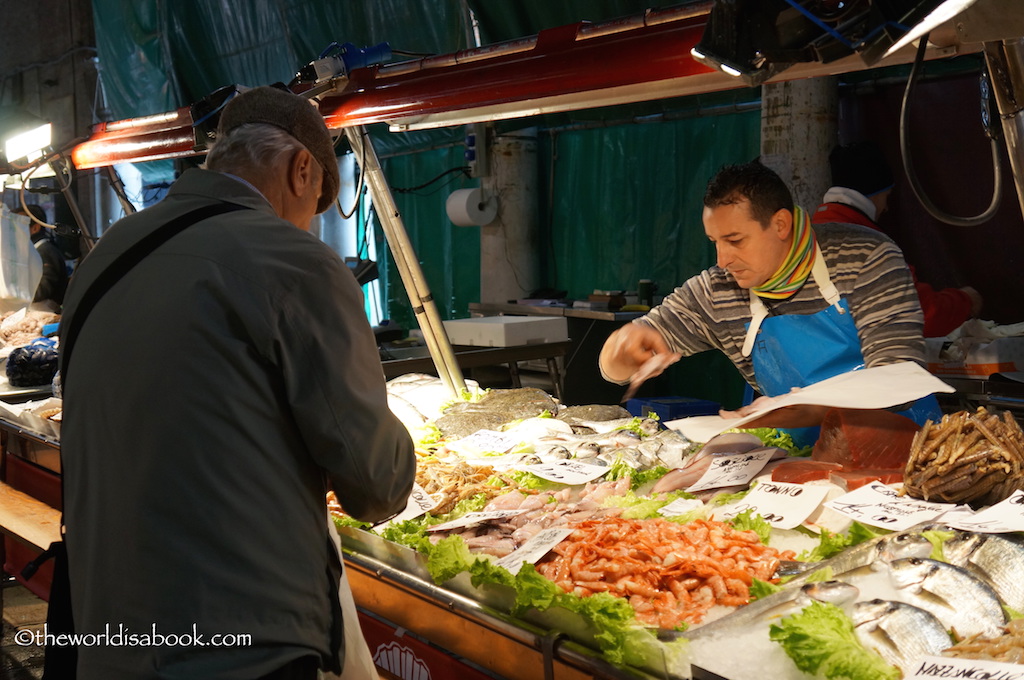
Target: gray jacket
column 216, row 393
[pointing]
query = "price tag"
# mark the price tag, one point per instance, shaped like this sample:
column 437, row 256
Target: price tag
column 567, row 471
column 1005, row 516
column 471, row 518
column 781, row 504
column 499, row 463
column 419, row 503
column 534, row 549
column 881, row 506
column 483, row 441
column 954, row 667
column 732, row 469
column 680, row 506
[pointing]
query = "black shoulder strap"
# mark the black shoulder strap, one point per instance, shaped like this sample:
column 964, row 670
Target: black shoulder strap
column 123, row 264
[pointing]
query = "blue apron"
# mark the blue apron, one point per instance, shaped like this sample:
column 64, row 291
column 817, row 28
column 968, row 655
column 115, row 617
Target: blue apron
column 796, row 350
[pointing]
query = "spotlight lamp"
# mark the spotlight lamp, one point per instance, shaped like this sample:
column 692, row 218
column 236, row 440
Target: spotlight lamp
column 757, row 39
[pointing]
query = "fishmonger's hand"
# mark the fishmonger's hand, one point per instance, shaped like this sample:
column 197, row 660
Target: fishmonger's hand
column 629, row 348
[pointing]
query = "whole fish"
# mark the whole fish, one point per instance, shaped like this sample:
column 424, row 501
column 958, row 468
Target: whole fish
column 957, row 598
column 897, row 546
column 901, row 633
column 669, row 447
column 839, row 593
column 997, row 559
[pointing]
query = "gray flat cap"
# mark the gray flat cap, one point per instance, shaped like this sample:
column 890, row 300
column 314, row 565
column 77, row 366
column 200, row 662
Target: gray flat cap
column 295, row 115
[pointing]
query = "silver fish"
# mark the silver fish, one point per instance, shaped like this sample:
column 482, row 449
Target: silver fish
column 958, row 599
column 629, row 456
column 669, row 447
column 838, row 593
column 897, row 546
column 997, row 559
column 901, row 633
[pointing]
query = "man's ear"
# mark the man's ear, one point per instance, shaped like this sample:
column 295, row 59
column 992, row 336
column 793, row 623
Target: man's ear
column 782, row 223
column 301, row 173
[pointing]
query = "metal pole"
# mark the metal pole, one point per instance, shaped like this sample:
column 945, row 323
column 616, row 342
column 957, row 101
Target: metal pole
column 408, row 266
column 1005, row 60
column 88, row 237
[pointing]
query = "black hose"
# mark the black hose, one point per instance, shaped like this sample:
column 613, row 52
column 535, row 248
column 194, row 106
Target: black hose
column 915, row 184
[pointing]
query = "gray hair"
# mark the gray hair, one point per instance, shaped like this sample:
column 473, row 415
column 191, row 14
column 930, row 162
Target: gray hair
column 253, row 149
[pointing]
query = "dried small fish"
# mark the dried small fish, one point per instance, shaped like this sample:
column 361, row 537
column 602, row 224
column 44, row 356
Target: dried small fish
column 975, row 458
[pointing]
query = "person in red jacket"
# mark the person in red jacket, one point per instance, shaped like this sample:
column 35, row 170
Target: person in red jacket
column 861, row 184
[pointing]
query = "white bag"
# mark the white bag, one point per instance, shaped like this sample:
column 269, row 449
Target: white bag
column 358, row 660
column 21, row 267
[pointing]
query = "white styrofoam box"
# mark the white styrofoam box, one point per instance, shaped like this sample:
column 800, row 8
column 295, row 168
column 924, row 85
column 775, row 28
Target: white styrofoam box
column 507, row 331
column 982, row 359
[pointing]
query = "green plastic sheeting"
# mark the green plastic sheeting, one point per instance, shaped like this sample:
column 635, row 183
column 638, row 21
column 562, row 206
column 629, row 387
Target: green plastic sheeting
column 619, row 199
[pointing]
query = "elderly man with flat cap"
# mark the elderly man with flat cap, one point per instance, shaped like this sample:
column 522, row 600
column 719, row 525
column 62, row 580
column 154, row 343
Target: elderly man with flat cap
column 219, row 378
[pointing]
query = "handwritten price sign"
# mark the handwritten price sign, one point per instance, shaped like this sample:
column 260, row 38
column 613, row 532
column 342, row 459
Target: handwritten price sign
column 534, row 549
column 781, row 504
column 567, row 471
column 483, row 441
column 952, row 667
column 733, row 469
column 882, row 506
column 471, row 518
column 1002, row 517
column 420, row 502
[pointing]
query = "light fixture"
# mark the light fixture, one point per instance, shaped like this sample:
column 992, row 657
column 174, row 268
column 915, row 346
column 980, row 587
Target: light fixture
column 28, row 144
column 756, row 39
column 944, row 12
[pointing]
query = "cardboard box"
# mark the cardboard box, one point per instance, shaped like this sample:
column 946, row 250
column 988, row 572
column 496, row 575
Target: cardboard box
column 1003, row 355
column 507, row 331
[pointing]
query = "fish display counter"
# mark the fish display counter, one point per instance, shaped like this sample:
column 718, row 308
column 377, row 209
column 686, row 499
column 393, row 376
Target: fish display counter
column 544, row 541
column 675, row 554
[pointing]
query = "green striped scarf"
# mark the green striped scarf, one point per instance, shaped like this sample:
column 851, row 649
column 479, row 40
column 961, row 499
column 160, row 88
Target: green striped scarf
column 797, row 266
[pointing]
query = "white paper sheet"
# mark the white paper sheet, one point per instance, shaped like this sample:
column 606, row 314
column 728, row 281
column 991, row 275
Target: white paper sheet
column 878, row 387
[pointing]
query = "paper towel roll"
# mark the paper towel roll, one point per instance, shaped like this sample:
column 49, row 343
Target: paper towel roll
column 465, row 208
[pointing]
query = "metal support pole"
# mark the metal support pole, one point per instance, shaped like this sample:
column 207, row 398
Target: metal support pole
column 88, row 237
column 1005, row 60
column 408, row 266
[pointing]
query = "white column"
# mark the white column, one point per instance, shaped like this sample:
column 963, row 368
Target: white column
column 510, row 245
column 799, row 127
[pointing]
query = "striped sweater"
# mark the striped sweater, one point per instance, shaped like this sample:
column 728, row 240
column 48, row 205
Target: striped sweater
column 710, row 311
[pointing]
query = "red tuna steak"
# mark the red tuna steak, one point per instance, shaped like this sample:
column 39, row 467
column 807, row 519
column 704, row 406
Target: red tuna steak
column 860, row 439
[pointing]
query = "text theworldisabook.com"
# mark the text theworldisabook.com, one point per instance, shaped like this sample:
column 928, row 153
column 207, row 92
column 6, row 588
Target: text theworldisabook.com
column 122, row 636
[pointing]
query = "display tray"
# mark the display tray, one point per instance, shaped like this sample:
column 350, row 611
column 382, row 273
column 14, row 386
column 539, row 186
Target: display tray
column 496, row 602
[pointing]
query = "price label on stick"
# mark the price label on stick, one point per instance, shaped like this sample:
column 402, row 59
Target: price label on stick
column 955, row 667
column 781, row 504
column 420, row 502
column 537, row 547
column 881, row 506
column 567, row 471
column 732, row 470
column 483, row 441
column 471, row 518
column 1003, row 517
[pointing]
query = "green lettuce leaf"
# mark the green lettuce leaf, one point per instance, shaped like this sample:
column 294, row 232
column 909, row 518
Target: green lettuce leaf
column 760, row 589
column 771, row 436
column 821, row 640
column 831, row 544
column 748, row 520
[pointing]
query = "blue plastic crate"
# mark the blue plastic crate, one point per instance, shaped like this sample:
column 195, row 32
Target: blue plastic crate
column 672, row 408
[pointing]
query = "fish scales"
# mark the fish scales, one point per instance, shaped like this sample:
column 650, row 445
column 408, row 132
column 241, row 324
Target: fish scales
column 960, row 600
column 995, row 558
